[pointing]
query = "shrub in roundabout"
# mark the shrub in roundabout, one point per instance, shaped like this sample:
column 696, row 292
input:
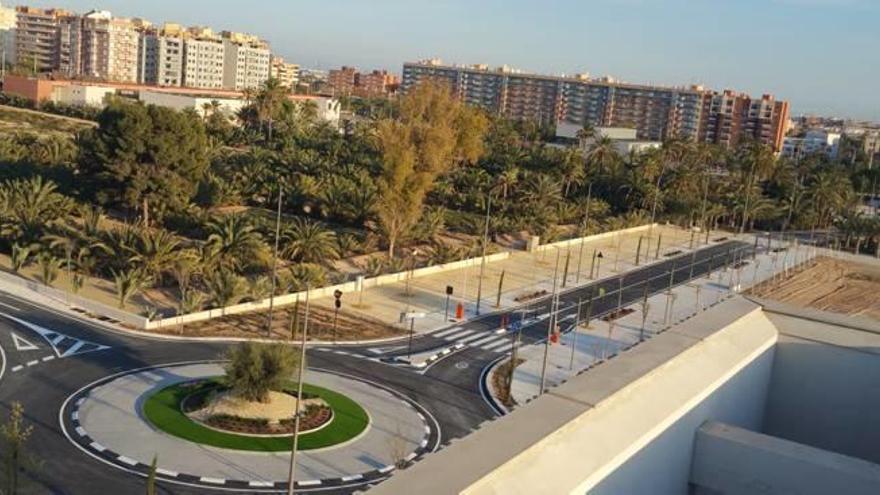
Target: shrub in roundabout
column 254, row 373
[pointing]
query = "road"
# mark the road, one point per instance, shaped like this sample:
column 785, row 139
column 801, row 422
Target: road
column 49, row 355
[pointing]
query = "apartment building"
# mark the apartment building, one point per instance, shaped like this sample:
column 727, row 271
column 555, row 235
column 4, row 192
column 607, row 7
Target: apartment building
column 656, row 113
column 38, row 37
column 161, row 56
column 246, row 61
column 203, row 63
column 287, row 74
column 342, row 81
column 110, row 47
column 7, row 37
column 814, row 141
column 375, row 84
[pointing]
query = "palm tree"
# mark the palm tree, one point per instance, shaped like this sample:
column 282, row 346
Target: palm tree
column 602, row 157
column 505, row 180
column 48, row 264
column 155, row 251
column 20, row 256
column 234, row 243
column 309, row 242
column 128, row 283
column 225, row 287
column 304, row 276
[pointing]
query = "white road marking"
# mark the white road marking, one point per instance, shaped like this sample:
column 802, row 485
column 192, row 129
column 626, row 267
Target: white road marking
column 261, row 484
column 33, row 363
column 72, row 349
column 17, row 368
column 127, row 460
column 172, row 474
column 9, row 306
column 57, row 340
column 352, row 478
column 21, row 344
column 457, row 335
column 215, row 481
column 486, row 340
column 472, row 337
column 48, row 358
column 97, row 446
column 446, row 332
column 309, row 483
column 496, row 346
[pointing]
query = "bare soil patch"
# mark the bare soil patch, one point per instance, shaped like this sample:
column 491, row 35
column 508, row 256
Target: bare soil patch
column 349, row 327
column 501, row 382
column 829, row 285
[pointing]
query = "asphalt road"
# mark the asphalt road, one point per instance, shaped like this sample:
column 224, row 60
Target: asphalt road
column 41, row 376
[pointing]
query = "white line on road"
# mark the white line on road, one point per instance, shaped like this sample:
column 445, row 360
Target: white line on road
column 48, row 358
column 486, row 340
column 17, row 368
column 447, row 331
column 72, row 350
column 33, row 363
column 495, row 347
column 458, row 334
column 9, row 306
column 472, row 337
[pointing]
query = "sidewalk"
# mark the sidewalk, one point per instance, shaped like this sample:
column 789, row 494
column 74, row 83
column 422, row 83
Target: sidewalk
column 604, row 339
column 523, row 273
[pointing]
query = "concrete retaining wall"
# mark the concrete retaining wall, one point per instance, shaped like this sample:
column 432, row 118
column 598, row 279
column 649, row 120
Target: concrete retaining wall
column 735, row 461
column 593, row 238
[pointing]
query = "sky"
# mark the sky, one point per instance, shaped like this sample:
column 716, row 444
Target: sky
column 821, row 55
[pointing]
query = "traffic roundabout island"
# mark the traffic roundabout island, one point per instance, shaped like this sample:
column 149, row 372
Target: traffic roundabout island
column 352, row 431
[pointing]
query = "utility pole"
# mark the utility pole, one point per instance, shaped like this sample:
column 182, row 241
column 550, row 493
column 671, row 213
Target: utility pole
column 577, row 325
column 483, row 260
column 299, row 393
column 274, row 266
column 551, row 322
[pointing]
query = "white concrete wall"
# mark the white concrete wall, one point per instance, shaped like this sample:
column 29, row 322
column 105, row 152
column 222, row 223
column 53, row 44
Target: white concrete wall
column 664, row 465
column 825, row 390
column 735, row 461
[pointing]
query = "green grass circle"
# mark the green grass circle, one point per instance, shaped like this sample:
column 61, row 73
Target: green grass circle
column 163, row 411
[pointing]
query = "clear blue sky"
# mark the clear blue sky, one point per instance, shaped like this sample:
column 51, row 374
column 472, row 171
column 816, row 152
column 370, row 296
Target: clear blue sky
column 822, row 55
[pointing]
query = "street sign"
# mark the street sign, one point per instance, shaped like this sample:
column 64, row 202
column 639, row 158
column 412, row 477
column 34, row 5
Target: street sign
column 449, row 290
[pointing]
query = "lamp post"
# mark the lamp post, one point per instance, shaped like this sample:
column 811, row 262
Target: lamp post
column 483, row 257
column 299, row 393
column 337, row 303
column 274, row 266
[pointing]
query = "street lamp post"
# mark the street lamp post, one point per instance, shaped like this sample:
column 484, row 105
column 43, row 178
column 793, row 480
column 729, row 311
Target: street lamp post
column 337, row 303
column 550, row 326
column 483, row 257
column 274, row 265
column 299, row 393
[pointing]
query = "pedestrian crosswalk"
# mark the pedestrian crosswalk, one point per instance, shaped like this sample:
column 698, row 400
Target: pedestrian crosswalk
column 487, row 341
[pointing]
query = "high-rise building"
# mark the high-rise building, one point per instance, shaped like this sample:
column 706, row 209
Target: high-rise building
column 38, row 37
column 342, row 81
column 657, row 113
column 246, row 61
column 109, row 47
column 204, row 59
column 162, row 52
column 287, row 74
column 7, row 37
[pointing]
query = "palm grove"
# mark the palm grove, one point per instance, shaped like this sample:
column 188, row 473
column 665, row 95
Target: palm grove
column 181, row 202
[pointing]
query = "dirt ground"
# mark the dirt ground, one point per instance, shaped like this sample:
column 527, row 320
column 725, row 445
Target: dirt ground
column 253, row 325
column 830, row 285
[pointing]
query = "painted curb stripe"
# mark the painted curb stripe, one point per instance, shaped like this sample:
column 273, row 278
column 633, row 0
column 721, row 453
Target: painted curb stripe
column 126, row 460
column 167, row 473
column 352, row 478
column 308, row 483
column 97, row 446
column 261, row 484
column 213, row 481
column 386, row 469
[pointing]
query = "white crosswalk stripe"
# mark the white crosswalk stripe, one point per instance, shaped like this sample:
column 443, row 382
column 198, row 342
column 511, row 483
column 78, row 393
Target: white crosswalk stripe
column 457, row 335
column 471, row 338
column 447, row 332
column 497, row 346
column 484, row 341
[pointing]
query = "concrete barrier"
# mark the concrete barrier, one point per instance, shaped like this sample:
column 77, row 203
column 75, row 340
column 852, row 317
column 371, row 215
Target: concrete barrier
column 593, row 238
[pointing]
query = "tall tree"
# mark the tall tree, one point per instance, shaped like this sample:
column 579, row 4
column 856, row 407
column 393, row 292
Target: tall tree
column 433, row 133
column 144, row 157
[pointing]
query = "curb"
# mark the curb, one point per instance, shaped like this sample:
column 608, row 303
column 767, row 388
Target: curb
column 68, row 417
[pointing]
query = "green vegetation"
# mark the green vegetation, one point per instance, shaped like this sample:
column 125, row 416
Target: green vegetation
column 184, row 205
column 17, row 462
column 163, row 410
column 254, row 369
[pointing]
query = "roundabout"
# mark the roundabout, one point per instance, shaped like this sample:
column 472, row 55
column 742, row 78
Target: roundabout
column 127, row 420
